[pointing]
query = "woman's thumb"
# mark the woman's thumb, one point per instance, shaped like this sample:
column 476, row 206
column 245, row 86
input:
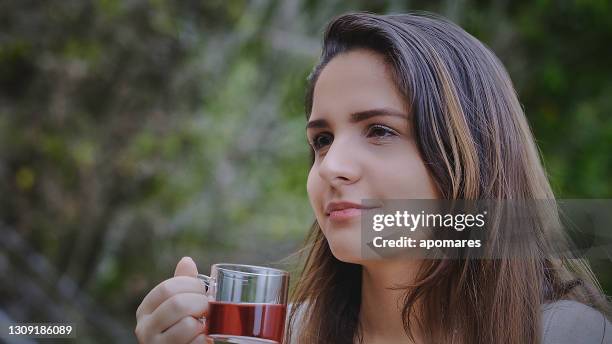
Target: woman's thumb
column 186, row 267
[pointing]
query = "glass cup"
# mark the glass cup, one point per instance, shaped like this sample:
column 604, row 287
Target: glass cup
column 247, row 304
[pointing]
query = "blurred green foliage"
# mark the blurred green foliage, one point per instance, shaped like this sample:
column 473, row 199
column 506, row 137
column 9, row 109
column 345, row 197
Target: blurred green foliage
column 134, row 133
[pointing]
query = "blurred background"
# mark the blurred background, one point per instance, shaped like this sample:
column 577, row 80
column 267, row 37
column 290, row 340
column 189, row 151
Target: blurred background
column 133, row 133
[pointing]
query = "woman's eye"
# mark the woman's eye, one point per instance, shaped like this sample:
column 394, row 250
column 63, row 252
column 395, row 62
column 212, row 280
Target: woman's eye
column 376, row 131
column 380, row 131
column 321, row 140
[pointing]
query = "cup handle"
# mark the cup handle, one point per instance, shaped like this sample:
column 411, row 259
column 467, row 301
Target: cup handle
column 206, row 279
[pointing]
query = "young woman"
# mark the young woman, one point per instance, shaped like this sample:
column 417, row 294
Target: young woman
column 410, row 107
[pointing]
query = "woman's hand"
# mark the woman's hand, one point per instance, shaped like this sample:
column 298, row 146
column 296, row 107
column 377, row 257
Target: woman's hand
column 170, row 312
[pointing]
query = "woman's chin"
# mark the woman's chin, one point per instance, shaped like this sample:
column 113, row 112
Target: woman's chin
column 347, row 250
column 344, row 239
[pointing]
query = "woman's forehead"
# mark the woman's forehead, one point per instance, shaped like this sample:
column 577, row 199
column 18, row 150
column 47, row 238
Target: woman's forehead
column 355, row 81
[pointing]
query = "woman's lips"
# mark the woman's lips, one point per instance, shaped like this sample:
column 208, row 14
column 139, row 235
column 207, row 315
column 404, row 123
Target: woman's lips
column 346, row 214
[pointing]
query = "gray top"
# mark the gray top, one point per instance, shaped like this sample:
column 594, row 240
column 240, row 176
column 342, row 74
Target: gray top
column 565, row 322
column 573, row 322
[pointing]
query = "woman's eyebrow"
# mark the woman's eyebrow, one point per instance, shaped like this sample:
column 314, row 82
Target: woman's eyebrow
column 359, row 116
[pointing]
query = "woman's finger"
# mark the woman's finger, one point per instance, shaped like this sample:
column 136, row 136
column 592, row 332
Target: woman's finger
column 186, row 267
column 201, row 339
column 166, row 290
column 183, row 331
column 177, row 307
column 143, row 332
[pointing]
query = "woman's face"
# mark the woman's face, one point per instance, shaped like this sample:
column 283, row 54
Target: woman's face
column 362, row 135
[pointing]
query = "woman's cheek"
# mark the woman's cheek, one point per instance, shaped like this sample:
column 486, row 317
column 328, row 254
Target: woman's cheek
column 310, row 184
column 312, row 188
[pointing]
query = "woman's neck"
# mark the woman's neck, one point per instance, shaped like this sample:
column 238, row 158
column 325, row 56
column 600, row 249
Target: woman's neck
column 380, row 315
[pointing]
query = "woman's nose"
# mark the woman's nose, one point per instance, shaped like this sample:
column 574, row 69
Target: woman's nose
column 340, row 165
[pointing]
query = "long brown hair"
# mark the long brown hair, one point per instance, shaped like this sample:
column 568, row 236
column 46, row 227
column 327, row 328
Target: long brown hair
column 473, row 135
